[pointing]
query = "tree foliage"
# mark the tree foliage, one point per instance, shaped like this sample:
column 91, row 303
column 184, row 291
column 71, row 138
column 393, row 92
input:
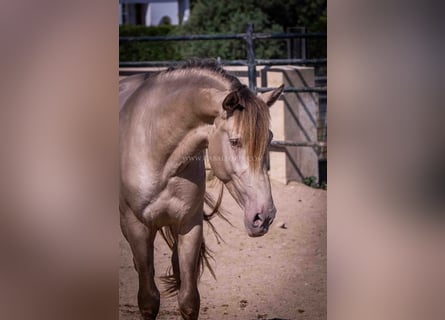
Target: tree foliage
column 212, row 17
column 310, row 14
column 228, row 17
column 292, row 13
column 231, row 16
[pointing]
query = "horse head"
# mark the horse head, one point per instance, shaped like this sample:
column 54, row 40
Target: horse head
column 236, row 151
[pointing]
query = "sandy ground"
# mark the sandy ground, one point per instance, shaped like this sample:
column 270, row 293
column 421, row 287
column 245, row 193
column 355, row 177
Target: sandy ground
column 281, row 275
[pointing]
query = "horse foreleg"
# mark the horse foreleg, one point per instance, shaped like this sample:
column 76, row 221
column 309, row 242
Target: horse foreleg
column 189, row 246
column 141, row 239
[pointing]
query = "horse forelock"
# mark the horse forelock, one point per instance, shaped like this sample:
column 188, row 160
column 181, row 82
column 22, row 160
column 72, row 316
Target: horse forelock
column 252, row 122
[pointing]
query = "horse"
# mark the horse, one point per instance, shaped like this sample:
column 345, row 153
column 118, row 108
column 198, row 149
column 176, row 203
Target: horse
column 167, row 121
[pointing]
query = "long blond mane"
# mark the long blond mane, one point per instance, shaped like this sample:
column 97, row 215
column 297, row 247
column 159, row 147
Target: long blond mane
column 252, row 122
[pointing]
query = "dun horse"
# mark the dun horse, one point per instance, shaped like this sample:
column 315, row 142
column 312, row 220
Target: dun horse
column 166, row 123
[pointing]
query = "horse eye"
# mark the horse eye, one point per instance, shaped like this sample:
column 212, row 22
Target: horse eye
column 236, row 143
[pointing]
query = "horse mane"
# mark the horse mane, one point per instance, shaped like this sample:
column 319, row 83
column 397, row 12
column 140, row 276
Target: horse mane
column 203, row 64
column 252, row 123
column 252, row 118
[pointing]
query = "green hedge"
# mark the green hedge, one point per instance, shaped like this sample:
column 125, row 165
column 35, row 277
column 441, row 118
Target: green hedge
column 146, row 51
column 226, row 49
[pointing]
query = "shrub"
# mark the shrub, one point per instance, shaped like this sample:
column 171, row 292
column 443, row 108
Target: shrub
column 313, row 183
column 146, row 51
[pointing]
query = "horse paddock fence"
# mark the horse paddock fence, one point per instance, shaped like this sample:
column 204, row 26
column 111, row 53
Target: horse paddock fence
column 318, row 143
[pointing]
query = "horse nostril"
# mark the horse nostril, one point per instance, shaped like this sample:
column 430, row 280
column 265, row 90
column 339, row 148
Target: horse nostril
column 257, row 220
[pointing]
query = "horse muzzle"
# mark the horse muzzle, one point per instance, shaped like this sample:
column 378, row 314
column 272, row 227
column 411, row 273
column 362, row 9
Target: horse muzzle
column 259, row 224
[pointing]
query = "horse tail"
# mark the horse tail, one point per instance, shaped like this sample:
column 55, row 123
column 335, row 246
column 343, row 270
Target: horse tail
column 217, row 211
column 171, row 279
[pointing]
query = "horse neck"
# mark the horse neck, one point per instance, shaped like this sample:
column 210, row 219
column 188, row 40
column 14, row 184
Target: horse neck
column 181, row 122
column 174, row 119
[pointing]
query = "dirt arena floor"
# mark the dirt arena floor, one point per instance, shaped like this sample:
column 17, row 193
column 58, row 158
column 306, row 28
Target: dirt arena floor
column 281, row 275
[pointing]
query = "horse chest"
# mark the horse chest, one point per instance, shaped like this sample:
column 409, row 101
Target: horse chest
column 179, row 200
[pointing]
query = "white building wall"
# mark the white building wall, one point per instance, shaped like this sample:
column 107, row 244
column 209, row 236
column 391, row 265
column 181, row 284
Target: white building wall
column 120, row 13
column 156, row 11
column 148, row 21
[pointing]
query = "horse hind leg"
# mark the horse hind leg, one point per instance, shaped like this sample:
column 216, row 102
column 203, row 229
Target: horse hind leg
column 141, row 239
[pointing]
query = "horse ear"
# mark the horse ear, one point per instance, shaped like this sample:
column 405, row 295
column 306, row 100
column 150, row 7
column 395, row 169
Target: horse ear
column 231, row 102
column 270, row 97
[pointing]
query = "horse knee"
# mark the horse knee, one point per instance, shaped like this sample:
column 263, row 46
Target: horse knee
column 189, row 302
column 148, row 303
